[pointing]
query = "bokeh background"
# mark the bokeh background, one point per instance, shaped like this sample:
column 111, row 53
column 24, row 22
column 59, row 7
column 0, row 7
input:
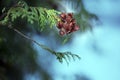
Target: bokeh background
column 97, row 43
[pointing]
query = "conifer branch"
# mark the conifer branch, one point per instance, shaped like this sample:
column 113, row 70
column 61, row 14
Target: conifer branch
column 59, row 55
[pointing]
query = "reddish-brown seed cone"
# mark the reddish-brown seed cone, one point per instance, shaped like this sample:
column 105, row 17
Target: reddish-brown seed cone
column 67, row 28
column 73, row 21
column 70, row 14
column 76, row 28
column 60, row 25
column 68, row 19
column 61, row 32
column 72, row 24
column 67, row 24
column 63, row 15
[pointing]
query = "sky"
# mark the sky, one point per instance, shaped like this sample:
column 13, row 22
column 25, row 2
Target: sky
column 99, row 50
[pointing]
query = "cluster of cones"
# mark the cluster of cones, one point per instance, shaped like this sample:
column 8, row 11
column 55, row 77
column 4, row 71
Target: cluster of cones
column 67, row 24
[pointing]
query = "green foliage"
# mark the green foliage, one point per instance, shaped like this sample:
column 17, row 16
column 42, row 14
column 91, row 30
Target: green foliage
column 33, row 14
column 66, row 56
column 61, row 55
column 66, row 39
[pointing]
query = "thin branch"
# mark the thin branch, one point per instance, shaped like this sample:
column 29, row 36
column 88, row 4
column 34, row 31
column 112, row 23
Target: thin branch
column 27, row 37
column 59, row 55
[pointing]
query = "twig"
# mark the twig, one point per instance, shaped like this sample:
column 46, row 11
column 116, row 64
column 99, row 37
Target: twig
column 59, row 55
column 27, row 37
